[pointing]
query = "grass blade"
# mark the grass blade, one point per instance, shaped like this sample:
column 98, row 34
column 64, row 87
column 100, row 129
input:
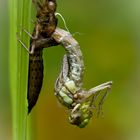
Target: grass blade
column 19, row 17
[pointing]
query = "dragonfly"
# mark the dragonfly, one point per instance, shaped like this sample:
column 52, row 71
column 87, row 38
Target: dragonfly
column 69, row 84
column 39, row 39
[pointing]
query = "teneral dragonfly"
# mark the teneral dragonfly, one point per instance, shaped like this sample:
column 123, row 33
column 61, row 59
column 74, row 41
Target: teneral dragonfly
column 68, row 86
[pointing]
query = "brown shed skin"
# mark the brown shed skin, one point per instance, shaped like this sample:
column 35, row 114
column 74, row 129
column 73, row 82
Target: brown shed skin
column 45, row 25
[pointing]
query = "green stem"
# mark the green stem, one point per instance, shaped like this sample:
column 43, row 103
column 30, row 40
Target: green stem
column 19, row 11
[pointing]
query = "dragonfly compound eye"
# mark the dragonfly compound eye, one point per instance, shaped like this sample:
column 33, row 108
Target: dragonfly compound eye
column 79, row 119
column 81, row 115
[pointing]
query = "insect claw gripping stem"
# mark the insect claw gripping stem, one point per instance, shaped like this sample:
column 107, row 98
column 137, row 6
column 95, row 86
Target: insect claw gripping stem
column 28, row 33
column 25, row 47
column 68, row 87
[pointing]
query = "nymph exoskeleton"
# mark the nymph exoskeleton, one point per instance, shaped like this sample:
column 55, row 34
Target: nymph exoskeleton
column 68, row 86
column 40, row 38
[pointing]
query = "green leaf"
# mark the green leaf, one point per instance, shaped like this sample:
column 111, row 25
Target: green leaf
column 20, row 12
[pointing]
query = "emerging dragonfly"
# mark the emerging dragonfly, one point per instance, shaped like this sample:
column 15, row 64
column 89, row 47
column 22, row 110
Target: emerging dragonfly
column 68, row 86
column 40, row 38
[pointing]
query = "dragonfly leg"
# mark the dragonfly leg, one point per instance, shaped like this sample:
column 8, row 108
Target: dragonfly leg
column 30, row 35
column 95, row 92
column 100, row 104
column 75, row 108
column 25, row 47
column 101, row 87
column 20, row 41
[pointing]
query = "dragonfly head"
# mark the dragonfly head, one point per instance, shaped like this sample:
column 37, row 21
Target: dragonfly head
column 46, row 17
column 81, row 115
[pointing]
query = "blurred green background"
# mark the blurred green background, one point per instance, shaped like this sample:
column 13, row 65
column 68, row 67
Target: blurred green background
column 111, row 48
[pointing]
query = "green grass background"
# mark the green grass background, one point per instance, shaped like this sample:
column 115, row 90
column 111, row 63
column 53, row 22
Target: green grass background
column 111, row 50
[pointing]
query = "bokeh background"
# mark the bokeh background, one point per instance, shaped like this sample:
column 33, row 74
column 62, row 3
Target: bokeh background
column 110, row 43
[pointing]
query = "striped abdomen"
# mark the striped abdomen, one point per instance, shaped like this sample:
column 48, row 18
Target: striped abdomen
column 74, row 55
column 75, row 60
column 35, row 77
